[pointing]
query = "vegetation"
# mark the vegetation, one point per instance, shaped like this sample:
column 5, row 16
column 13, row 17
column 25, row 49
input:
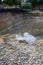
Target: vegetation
column 33, row 3
column 36, row 2
column 11, row 2
column 28, row 4
column 0, row 1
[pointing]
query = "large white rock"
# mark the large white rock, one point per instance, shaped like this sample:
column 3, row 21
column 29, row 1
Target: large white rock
column 27, row 37
column 19, row 37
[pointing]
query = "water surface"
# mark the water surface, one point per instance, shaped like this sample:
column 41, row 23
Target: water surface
column 21, row 23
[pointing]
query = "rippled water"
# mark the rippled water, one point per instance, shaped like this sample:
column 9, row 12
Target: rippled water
column 21, row 23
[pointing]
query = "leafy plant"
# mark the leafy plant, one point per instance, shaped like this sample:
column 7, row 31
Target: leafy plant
column 26, row 5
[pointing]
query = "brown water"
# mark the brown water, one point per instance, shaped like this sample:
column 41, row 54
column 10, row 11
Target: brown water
column 19, row 23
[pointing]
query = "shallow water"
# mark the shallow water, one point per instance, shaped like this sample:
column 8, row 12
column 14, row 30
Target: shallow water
column 21, row 23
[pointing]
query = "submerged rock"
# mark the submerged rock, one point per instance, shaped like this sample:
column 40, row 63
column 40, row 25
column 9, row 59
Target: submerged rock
column 1, row 41
column 27, row 37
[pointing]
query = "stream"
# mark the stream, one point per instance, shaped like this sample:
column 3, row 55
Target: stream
column 17, row 27
column 21, row 23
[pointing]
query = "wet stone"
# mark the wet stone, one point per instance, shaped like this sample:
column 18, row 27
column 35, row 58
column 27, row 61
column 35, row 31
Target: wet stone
column 1, row 62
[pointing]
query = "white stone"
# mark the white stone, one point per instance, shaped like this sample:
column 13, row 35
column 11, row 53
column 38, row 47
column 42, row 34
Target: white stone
column 27, row 37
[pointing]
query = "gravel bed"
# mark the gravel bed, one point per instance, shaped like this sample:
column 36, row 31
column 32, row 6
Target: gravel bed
column 13, row 52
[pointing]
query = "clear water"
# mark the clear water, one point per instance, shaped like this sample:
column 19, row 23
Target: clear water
column 21, row 23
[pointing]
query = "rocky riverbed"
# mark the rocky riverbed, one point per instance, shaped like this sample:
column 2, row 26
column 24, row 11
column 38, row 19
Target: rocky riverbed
column 14, row 52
